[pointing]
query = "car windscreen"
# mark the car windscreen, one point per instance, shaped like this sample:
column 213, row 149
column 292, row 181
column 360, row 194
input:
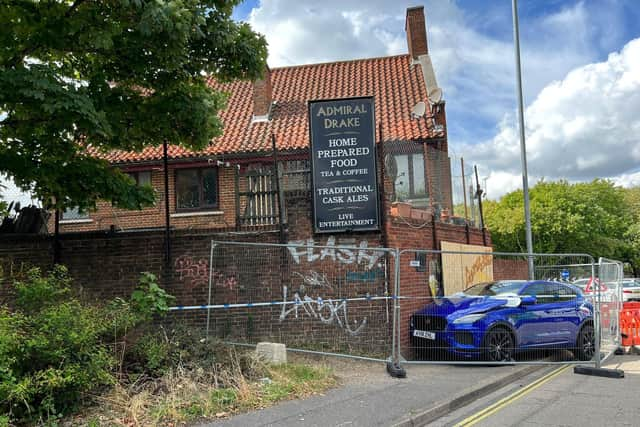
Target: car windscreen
column 630, row 284
column 582, row 283
column 494, row 288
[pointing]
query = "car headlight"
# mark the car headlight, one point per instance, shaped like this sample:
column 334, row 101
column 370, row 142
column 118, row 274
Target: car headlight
column 470, row 318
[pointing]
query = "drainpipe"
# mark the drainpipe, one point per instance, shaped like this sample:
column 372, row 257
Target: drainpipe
column 167, row 225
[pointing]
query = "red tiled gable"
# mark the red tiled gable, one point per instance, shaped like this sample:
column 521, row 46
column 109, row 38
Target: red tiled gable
column 395, row 84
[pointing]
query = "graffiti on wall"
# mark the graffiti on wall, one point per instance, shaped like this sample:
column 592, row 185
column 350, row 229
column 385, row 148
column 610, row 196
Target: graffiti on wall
column 313, row 279
column 194, row 273
column 329, row 312
column 305, row 251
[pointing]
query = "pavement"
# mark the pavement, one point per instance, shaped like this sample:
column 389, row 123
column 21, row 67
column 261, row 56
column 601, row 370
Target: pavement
column 564, row 399
column 368, row 396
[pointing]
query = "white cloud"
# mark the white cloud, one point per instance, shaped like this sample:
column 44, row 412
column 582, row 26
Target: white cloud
column 628, row 179
column 474, row 68
column 578, row 128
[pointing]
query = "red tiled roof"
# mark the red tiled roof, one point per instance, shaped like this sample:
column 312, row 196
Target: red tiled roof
column 395, row 84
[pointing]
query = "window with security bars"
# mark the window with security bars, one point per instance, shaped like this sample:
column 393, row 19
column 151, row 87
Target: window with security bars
column 257, row 194
column 296, row 175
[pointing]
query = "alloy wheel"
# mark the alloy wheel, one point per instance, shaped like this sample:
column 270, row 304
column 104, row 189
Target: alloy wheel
column 587, row 343
column 500, row 345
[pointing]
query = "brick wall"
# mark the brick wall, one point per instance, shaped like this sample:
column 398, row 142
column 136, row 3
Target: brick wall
column 106, row 216
column 108, row 264
column 505, row 269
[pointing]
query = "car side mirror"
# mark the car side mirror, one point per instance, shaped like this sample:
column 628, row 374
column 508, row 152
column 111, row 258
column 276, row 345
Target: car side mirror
column 528, row 300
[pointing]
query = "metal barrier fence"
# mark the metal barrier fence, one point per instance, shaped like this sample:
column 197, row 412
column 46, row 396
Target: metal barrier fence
column 332, row 299
column 608, row 295
column 409, row 306
column 477, row 307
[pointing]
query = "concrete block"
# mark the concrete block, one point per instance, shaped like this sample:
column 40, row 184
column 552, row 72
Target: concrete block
column 272, row 352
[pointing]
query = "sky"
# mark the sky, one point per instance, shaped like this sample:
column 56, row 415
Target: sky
column 580, row 71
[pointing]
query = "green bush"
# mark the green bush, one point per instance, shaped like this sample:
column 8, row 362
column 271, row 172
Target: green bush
column 55, row 349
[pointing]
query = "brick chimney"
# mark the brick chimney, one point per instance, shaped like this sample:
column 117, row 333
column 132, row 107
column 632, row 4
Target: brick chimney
column 416, row 32
column 262, row 97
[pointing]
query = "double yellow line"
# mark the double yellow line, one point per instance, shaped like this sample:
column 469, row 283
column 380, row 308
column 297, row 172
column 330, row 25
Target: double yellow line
column 490, row 410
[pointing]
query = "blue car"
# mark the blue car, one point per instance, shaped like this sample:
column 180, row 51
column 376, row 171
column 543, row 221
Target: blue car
column 495, row 320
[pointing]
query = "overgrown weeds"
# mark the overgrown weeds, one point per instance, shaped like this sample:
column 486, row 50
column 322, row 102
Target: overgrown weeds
column 237, row 382
column 116, row 365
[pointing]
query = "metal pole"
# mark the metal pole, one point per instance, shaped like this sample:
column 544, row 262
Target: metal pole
column 479, row 194
column 213, row 245
column 523, row 148
column 280, row 201
column 167, row 232
column 56, row 237
column 596, row 314
column 464, row 190
column 396, row 339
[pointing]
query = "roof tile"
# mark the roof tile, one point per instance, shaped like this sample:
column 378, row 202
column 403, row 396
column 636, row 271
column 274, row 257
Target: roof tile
column 394, row 83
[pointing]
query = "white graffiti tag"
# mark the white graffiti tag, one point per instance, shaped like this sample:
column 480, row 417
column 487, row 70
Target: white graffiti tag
column 327, row 311
column 314, row 279
column 306, row 250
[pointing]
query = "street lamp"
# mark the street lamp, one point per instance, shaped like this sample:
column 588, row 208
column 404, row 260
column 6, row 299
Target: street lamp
column 523, row 148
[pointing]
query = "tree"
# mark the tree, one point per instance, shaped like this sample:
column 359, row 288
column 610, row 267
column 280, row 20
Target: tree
column 81, row 78
column 632, row 199
column 591, row 218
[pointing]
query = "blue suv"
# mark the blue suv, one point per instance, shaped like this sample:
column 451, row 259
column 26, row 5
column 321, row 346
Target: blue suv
column 495, row 320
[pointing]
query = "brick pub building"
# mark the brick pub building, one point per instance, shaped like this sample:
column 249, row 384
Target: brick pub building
column 253, row 184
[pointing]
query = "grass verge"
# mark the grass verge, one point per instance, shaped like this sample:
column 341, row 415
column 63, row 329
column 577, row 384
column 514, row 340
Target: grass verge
column 181, row 396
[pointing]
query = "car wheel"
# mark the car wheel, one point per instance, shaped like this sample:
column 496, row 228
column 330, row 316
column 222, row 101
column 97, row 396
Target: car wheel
column 499, row 345
column 585, row 344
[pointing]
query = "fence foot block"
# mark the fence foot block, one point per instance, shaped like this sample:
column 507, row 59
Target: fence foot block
column 598, row 372
column 395, row 370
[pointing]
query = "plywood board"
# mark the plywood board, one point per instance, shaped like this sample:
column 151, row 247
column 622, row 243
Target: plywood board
column 463, row 269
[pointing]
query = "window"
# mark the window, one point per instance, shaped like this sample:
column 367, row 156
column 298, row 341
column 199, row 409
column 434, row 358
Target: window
column 495, row 288
column 544, row 293
column 410, row 180
column 196, row 189
column 73, row 214
column 565, row 293
column 141, row 178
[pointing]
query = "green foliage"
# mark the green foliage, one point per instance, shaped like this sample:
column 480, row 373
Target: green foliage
column 55, row 349
column 36, row 292
column 52, row 343
column 588, row 218
column 154, row 353
column 80, row 79
column 159, row 350
column 149, row 298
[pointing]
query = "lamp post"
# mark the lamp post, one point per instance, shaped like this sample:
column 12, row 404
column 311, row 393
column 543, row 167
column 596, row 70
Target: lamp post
column 523, row 148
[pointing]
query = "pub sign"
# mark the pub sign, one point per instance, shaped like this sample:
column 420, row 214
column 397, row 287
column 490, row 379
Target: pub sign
column 343, row 165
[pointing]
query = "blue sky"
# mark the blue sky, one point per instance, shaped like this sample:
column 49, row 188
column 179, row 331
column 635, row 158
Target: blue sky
column 578, row 60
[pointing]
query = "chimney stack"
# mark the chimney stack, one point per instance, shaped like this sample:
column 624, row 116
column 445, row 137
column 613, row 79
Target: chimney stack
column 262, row 97
column 416, row 32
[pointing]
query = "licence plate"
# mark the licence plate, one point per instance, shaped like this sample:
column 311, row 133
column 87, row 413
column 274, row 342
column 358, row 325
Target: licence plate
column 424, row 334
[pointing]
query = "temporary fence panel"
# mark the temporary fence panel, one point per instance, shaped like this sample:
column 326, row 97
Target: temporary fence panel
column 329, row 299
column 630, row 324
column 476, row 307
column 608, row 297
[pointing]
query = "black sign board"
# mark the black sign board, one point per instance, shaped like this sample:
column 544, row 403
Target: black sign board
column 343, row 165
